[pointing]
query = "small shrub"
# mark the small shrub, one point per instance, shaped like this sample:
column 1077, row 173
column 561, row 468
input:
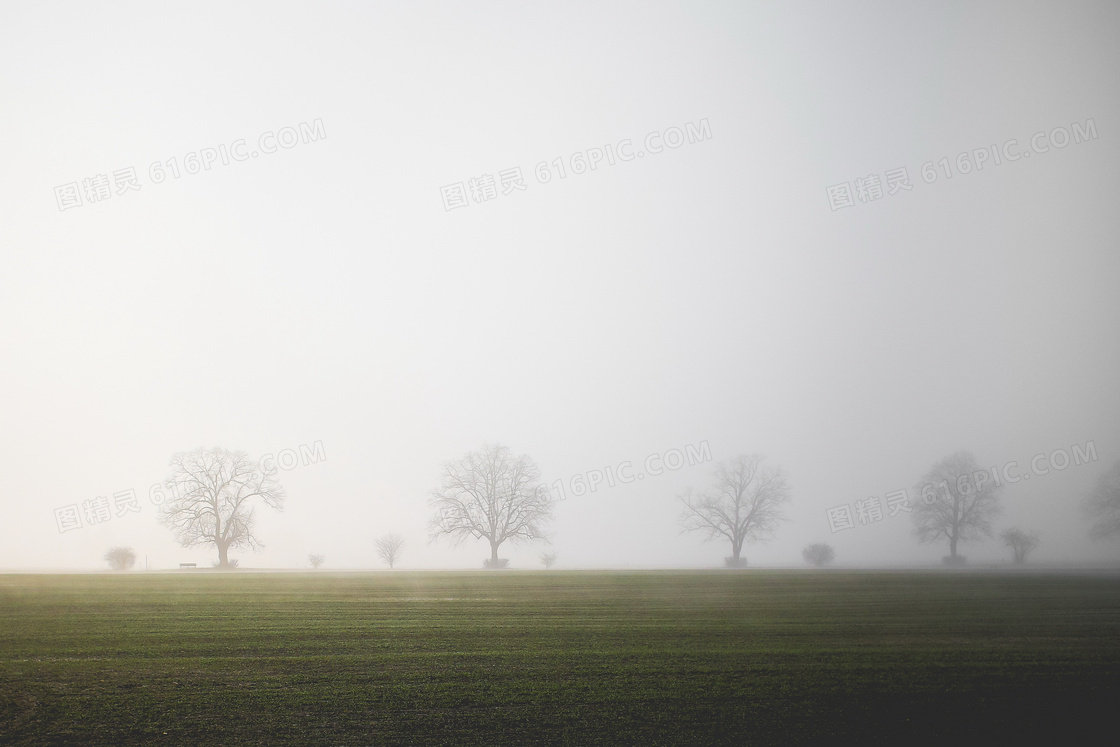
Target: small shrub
column 818, row 554
column 735, row 562
column 1021, row 543
column 495, row 564
column 954, row 562
column 121, row 558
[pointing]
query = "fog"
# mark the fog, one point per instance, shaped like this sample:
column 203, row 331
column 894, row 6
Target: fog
column 309, row 261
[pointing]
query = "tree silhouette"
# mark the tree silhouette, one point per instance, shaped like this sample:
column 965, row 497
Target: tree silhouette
column 492, row 495
column 121, row 558
column 213, row 492
column 958, row 503
column 744, row 504
column 819, row 554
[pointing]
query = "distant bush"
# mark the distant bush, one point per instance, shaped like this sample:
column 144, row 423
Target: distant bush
column 495, row 564
column 389, row 548
column 731, row 562
column 818, row 554
column 548, row 559
column 1021, row 543
column 121, row 558
column 316, row 560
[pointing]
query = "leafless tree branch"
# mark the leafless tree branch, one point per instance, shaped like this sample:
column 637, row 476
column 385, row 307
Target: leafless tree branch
column 1102, row 505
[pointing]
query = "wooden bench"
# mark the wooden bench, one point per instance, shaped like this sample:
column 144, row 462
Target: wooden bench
column 187, row 565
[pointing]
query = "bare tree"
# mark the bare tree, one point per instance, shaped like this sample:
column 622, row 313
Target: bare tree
column 316, row 560
column 548, row 559
column 1102, row 505
column 121, row 558
column 745, row 504
column 1020, row 542
column 491, row 495
column 213, row 492
column 818, row 554
column 958, row 503
column 389, row 548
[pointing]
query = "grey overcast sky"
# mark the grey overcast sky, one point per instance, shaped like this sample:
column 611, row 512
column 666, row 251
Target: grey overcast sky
column 333, row 279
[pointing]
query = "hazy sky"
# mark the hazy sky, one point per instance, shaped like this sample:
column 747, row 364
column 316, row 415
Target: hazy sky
column 715, row 293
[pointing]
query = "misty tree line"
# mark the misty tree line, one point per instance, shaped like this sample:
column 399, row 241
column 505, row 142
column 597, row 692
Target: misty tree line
column 495, row 496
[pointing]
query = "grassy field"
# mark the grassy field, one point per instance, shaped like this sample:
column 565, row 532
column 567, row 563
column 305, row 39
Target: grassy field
column 580, row 658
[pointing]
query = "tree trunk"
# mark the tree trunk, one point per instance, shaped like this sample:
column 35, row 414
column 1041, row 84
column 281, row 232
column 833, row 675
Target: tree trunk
column 223, row 555
column 494, row 553
column 735, row 561
column 953, row 547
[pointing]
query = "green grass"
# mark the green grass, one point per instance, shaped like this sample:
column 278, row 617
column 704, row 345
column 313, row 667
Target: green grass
column 582, row 658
